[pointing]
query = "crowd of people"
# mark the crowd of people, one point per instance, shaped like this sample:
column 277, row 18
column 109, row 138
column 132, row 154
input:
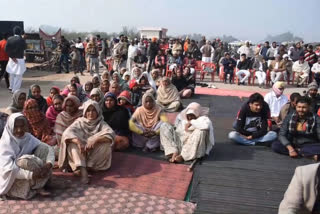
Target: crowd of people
column 82, row 124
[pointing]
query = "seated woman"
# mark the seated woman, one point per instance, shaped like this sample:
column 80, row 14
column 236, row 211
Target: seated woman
column 156, row 77
column 75, row 80
column 87, row 143
column 145, row 124
column 300, row 133
column 25, row 162
column 191, row 137
column 35, row 93
column 38, row 123
column 70, row 113
column 126, row 77
column 136, row 73
column 75, row 90
column 252, row 123
column 168, row 96
column 95, row 81
column 18, row 99
column 181, row 84
column 53, row 91
column 104, row 87
column 190, row 77
column 97, row 95
column 117, row 118
column 124, row 99
column 136, row 93
column 117, row 78
column 105, row 76
column 54, row 110
column 115, row 88
column 87, row 88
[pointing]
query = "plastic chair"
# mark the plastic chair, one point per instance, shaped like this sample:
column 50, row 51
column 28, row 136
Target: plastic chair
column 204, row 68
column 221, row 73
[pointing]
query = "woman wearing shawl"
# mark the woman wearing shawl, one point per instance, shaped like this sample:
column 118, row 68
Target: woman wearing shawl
column 191, row 137
column 181, row 84
column 38, row 123
column 97, row 95
column 126, row 76
column 69, row 114
column 156, row 77
column 35, row 93
column 115, row 88
column 87, row 88
column 75, row 80
column 124, row 99
column 117, row 118
column 117, row 78
column 136, row 73
column 25, row 162
column 76, row 90
column 53, row 91
column 168, row 96
column 145, row 124
column 54, row 110
column 95, row 81
column 104, row 87
column 18, row 99
column 87, row 143
column 105, row 76
column 191, row 81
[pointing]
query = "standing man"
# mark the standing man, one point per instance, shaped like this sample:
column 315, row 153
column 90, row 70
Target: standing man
column 247, row 50
column 64, row 46
column 264, row 50
column 207, row 52
column 16, row 66
column 102, row 50
column 93, row 53
column 152, row 52
column 4, row 58
column 132, row 53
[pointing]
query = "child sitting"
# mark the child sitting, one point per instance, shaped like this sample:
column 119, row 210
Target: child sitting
column 124, row 99
column 136, row 93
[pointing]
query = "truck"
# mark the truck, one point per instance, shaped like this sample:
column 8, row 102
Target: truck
column 7, row 26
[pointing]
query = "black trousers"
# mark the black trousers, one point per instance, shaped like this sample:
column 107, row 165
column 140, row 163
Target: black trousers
column 3, row 72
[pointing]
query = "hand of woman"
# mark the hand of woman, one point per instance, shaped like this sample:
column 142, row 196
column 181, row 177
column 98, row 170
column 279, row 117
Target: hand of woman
column 293, row 153
column 81, row 147
column 90, row 145
column 187, row 126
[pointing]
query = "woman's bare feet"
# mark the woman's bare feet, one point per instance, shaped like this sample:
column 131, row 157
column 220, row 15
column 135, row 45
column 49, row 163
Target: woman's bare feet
column 84, row 175
column 179, row 159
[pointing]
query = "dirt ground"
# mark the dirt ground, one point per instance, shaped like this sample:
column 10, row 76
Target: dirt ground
column 47, row 79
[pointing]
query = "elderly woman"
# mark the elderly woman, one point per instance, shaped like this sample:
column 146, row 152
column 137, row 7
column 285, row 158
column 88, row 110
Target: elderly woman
column 95, row 81
column 35, row 93
column 18, row 99
column 115, row 88
column 117, row 78
column 136, row 73
column 117, row 118
column 87, row 88
column 145, row 124
column 156, row 77
column 105, row 76
column 38, row 123
column 104, row 87
column 98, row 96
column 54, row 109
column 192, row 136
column 25, row 162
column 168, row 96
column 87, row 143
column 70, row 113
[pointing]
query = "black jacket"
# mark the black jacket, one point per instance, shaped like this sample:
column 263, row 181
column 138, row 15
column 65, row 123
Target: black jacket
column 245, row 65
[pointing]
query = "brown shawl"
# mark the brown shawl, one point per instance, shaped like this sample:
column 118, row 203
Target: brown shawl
column 167, row 94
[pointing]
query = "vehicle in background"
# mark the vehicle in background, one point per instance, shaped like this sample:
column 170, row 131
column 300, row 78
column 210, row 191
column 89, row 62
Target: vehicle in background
column 7, row 26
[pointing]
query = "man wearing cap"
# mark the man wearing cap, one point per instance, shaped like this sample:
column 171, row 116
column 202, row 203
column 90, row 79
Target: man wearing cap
column 301, row 69
column 314, row 97
column 316, row 70
column 16, row 65
column 277, row 68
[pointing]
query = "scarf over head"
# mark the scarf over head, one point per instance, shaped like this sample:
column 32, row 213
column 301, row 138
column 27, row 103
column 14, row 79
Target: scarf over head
column 14, row 106
column 49, row 99
column 64, row 119
column 167, row 94
column 84, row 88
column 38, row 122
column 42, row 103
column 313, row 85
column 97, row 91
column 85, row 130
column 52, row 113
column 11, row 148
column 196, row 109
column 105, row 75
column 147, row 117
column 276, row 87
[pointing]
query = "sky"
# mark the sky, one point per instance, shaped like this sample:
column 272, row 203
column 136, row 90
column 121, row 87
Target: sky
column 243, row 19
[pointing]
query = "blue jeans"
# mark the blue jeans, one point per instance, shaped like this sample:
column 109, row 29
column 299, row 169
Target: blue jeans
column 236, row 137
column 64, row 59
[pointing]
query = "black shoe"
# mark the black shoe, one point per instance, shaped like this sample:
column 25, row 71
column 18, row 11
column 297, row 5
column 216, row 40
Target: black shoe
column 67, row 72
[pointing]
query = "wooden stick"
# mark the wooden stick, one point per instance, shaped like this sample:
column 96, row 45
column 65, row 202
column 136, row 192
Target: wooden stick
column 190, row 168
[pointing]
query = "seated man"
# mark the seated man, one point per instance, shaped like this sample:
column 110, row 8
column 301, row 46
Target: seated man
column 140, row 60
column 289, row 108
column 252, row 123
column 276, row 99
column 277, row 68
column 299, row 133
column 260, row 66
column 316, row 70
column 229, row 64
column 301, row 69
column 244, row 66
column 174, row 62
column 191, row 137
column 288, row 64
column 314, row 97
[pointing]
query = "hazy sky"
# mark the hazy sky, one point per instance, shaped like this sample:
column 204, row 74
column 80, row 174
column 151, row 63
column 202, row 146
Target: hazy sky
column 244, row 19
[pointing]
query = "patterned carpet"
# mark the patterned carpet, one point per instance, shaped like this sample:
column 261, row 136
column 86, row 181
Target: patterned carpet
column 96, row 199
column 143, row 175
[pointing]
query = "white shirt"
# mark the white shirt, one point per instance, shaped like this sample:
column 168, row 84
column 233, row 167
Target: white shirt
column 132, row 51
column 316, row 68
column 301, row 68
column 246, row 50
column 275, row 103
